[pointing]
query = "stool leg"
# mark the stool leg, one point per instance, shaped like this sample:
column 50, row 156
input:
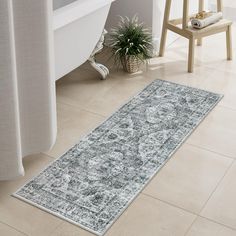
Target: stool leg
column 219, row 5
column 200, row 8
column 229, row 43
column 164, row 28
column 199, row 42
column 191, row 54
column 163, row 42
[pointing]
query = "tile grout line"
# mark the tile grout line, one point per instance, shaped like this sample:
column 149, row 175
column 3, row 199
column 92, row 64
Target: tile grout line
column 220, row 181
column 189, row 228
column 169, row 203
column 206, row 149
column 216, row 222
column 126, row 100
column 212, row 221
column 81, row 109
column 198, row 214
column 12, row 227
column 193, row 213
column 87, row 132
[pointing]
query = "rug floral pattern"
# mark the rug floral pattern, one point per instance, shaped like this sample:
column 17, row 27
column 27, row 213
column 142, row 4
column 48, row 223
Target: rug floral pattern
column 93, row 182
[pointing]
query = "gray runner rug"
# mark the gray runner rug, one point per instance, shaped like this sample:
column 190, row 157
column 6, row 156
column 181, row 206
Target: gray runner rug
column 95, row 181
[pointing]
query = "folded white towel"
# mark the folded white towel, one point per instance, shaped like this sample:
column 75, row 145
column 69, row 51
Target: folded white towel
column 201, row 23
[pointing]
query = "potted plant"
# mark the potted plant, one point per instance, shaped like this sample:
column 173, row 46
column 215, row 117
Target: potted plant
column 131, row 43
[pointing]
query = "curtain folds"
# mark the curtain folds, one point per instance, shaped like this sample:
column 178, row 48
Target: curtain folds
column 27, row 83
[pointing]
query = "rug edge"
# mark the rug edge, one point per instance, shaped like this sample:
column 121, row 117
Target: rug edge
column 54, row 213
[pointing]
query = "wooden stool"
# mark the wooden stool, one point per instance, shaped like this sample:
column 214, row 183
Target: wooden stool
column 194, row 34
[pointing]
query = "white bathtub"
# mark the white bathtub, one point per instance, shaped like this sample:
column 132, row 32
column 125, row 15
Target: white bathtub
column 78, row 25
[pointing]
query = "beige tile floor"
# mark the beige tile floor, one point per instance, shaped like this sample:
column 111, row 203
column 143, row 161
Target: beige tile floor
column 194, row 194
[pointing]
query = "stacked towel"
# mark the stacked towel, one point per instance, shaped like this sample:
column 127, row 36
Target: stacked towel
column 211, row 19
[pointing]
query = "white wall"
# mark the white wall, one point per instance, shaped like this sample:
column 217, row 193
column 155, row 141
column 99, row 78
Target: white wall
column 149, row 11
column 229, row 8
column 226, row 3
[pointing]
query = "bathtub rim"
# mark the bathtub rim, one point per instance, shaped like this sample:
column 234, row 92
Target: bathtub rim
column 76, row 10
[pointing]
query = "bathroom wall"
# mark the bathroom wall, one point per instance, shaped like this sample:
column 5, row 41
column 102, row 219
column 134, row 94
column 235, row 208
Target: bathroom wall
column 229, row 8
column 226, row 3
column 149, row 11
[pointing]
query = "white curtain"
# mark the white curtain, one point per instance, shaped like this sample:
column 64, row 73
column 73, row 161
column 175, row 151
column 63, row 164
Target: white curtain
column 27, row 83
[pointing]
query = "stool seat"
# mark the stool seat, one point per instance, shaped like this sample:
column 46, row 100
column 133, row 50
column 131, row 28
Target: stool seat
column 211, row 29
column 192, row 34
